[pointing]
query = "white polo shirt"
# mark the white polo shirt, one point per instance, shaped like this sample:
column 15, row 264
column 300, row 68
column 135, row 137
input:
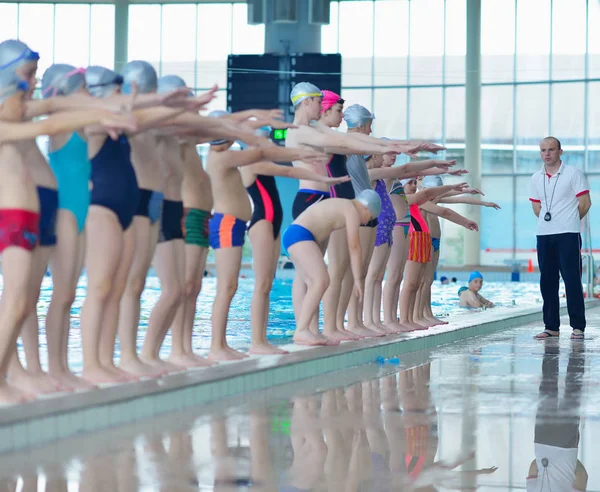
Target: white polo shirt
column 566, row 186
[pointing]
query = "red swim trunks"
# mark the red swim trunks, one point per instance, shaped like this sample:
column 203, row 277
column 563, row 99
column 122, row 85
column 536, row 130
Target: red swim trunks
column 20, row 228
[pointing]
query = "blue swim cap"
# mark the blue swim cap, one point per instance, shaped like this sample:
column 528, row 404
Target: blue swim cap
column 461, row 290
column 442, row 279
column 475, row 274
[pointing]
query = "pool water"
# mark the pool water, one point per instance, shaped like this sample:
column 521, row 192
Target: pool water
column 281, row 320
column 481, row 404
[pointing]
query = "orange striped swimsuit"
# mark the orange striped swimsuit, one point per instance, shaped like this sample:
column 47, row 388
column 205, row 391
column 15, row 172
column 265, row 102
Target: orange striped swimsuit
column 419, row 237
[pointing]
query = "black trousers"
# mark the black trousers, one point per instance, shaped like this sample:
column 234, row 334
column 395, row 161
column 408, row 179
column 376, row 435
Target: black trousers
column 561, row 253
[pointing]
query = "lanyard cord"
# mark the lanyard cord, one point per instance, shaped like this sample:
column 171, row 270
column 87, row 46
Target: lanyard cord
column 549, row 206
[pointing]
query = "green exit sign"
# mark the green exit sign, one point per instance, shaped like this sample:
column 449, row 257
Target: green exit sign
column 279, row 134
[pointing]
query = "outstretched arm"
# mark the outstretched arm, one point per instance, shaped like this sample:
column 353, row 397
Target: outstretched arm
column 272, row 169
column 429, row 194
column 450, row 215
column 337, row 142
column 468, row 201
column 410, row 170
column 66, row 121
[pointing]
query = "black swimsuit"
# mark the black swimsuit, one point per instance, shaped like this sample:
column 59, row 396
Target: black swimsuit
column 337, row 169
column 267, row 205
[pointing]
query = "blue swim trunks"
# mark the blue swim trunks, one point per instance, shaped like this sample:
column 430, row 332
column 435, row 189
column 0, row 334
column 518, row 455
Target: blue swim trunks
column 295, row 234
column 226, row 231
column 435, row 242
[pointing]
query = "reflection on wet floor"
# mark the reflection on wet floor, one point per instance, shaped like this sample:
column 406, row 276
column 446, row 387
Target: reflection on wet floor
column 502, row 412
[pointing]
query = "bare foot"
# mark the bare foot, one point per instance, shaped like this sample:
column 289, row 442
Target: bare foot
column 392, row 327
column 423, row 322
column 349, row 334
column 311, row 339
column 122, row 375
column 223, row 354
column 236, row 353
column 201, row 361
column 412, row 326
column 436, row 321
column 34, row 385
column 100, row 376
column 69, row 380
column 137, row 368
column 9, row 395
column 160, row 364
column 363, row 332
column 339, row 336
column 375, row 328
column 265, row 348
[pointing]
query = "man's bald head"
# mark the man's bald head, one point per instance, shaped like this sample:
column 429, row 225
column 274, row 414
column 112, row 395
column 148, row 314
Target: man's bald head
column 554, row 140
column 550, row 151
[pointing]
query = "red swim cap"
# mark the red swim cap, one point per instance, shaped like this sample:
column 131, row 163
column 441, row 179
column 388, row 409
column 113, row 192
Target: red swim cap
column 329, row 100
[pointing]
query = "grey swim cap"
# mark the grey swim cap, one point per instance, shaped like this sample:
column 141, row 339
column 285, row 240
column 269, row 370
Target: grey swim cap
column 143, row 74
column 61, row 80
column 404, row 182
column 302, row 91
column 10, row 84
column 217, row 113
column 15, row 53
column 102, row 82
column 371, row 200
column 432, row 182
column 169, row 83
column 357, row 115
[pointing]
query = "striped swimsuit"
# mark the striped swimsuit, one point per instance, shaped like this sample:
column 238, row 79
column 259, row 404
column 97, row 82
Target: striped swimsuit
column 419, row 237
column 404, row 222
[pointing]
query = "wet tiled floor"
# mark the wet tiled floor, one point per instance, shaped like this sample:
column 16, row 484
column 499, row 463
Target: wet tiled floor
column 471, row 415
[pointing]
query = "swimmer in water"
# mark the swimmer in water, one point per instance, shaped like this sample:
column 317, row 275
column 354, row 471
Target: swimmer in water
column 264, row 234
column 19, row 209
column 470, row 297
column 227, row 227
column 301, row 241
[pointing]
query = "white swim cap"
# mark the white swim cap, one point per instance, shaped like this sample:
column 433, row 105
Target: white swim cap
column 432, row 182
column 169, row 83
column 357, row 115
column 371, row 200
column 217, row 113
column 302, row 91
column 102, row 82
column 10, row 84
column 15, row 53
column 143, row 74
column 61, row 80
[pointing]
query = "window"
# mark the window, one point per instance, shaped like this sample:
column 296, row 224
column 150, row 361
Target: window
column 425, row 118
column 455, row 114
column 568, row 113
column 497, row 43
column 456, row 41
column 102, row 36
column 144, row 37
column 533, row 39
column 594, row 127
column 356, row 42
column 527, row 220
column 426, row 41
column 390, row 113
column 247, row 39
column 72, row 34
column 391, row 42
column 330, row 32
column 178, row 48
column 568, row 39
column 594, row 39
column 496, row 226
column 214, row 44
column 9, row 14
column 532, row 113
column 37, row 32
column 497, row 114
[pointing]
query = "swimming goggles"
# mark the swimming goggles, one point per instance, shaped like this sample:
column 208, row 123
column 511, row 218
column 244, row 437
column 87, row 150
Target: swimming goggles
column 67, row 76
column 27, row 55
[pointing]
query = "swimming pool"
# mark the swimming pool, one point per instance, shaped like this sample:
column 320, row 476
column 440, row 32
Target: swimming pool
column 371, row 428
column 281, row 322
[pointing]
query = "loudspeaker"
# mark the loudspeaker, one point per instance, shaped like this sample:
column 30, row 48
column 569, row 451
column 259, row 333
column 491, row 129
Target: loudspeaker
column 319, row 11
column 257, row 11
column 285, row 11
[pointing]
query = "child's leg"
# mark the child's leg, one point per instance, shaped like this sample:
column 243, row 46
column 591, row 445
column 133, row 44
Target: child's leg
column 308, row 258
column 412, row 280
column 373, row 285
column 166, row 265
column 104, row 240
column 263, row 250
column 65, row 265
column 145, row 238
column 16, row 271
column 228, row 262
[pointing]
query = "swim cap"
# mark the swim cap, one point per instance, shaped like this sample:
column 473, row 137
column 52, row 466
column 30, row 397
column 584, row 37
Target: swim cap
column 461, row 290
column 217, row 113
column 15, row 53
column 329, row 100
column 143, row 74
column 264, row 131
column 357, row 115
column 10, row 84
column 443, row 279
column 475, row 274
column 102, row 82
column 169, row 83
column 302, row 91
column 371, row 200
column 397, row 188
column 432, row 182
column 404, row 182
column 62, row 80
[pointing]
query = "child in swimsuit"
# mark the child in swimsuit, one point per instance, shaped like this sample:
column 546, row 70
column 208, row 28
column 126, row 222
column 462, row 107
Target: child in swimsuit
column 470, row 297
column 227, row 227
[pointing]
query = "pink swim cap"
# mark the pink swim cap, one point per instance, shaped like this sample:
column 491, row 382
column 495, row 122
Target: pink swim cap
column 329, row 100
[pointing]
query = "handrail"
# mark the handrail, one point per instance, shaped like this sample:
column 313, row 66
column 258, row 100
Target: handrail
column 589, row 256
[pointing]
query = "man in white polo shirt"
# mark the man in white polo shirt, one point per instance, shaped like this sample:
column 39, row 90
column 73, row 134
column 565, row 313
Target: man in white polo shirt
column 560, row 198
